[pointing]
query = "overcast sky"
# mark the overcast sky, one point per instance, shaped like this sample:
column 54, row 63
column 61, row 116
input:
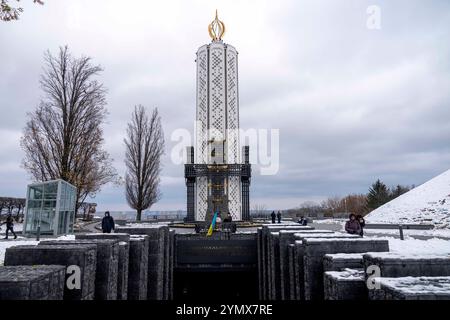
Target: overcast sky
column 352, row 103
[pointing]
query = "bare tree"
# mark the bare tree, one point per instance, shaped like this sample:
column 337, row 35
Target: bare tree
column 260, row 210
column 144, row 148
column 8, row 12
column 63, row 137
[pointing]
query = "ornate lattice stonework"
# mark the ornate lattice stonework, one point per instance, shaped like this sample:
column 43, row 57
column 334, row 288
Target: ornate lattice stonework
column 232, row 107
column 202, row 105
column 217, row 125
column 234, row 197
column 201, row 198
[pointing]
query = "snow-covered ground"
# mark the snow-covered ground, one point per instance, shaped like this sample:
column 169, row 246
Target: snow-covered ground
column 330, row 221
column 432, row 246
column 427, row 203
column 442, row 233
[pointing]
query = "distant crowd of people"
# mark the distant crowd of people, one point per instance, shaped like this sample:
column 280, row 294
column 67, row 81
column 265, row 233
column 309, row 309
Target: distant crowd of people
column 355, row 224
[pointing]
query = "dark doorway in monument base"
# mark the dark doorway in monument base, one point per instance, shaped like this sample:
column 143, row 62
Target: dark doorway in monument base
column 216, row 285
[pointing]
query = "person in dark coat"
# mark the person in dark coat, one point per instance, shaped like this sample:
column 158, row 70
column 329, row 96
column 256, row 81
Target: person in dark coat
column 352, row 226
column 362, row 224
column 10, row 226
column 107, row 223
column 273, row 216
column 279, row 216
column 228, row 218
column 303, row 221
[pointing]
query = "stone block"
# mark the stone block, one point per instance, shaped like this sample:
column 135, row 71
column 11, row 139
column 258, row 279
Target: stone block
column 106, row 274
column 157, row 256
column 411, row 288
column 263, row 252
column 287, row 237
column 37, row 282
column 394, row 265
column 341, row 261
column 84, row 256
column 315, row 249
column 348, row 284
column 124, row 253
column 299, row 275
column 138, row 268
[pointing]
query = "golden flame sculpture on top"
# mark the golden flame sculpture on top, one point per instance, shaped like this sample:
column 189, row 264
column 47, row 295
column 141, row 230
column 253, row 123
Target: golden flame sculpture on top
column 216, row 29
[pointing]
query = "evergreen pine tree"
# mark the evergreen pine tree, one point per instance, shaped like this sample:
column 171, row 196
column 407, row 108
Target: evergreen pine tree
column 378, row 195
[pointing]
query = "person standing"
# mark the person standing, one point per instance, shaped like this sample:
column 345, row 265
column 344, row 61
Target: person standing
column 10, row 226
column 107, row 223
column 279, row 216
column 362, row 224
column 273, row 216
column 352, row 226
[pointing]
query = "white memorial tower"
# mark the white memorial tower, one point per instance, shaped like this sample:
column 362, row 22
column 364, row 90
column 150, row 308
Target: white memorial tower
column 216, row 178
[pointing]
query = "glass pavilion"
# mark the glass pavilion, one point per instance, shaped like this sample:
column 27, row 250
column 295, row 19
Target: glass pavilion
column 50, row 206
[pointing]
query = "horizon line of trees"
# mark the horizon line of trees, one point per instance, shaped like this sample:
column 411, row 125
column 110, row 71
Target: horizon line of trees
column 360, row 204
column 63, row 138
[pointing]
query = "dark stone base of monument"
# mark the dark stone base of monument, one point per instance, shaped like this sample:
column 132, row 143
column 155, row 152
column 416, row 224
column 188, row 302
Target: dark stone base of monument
column 341, row 261
column 38, row 282
column 124, row 253
column 157, row 256
column 345, row 285
column 314, row 251
column 138, row 268
column 84, row 256
column 403, row 265
column 226, row 264
column 411, row 288
column 106, row 274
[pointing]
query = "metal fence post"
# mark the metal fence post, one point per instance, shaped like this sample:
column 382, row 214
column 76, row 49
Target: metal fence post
column 400, row 229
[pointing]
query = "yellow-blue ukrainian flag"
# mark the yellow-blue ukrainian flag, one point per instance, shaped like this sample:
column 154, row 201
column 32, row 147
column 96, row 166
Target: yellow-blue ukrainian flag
column 212, row 226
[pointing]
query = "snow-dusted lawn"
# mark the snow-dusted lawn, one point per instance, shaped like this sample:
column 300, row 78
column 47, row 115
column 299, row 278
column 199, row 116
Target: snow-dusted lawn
column 408, row 232
column 432, row 246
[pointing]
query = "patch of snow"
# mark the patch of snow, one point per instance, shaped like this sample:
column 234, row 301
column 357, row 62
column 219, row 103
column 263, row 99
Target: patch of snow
column 347, row 274
column 417, row 285
column 335, row 239
column 444, row 233
column 407, row 256
column 416, row 246
column 428, row 203
column 331, row 221
column 345, row 256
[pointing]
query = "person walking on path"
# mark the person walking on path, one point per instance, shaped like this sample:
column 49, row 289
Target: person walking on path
column 352, row 226
column 273, row 216
column 107, row 223
column 10, row 226
column 279, row 216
